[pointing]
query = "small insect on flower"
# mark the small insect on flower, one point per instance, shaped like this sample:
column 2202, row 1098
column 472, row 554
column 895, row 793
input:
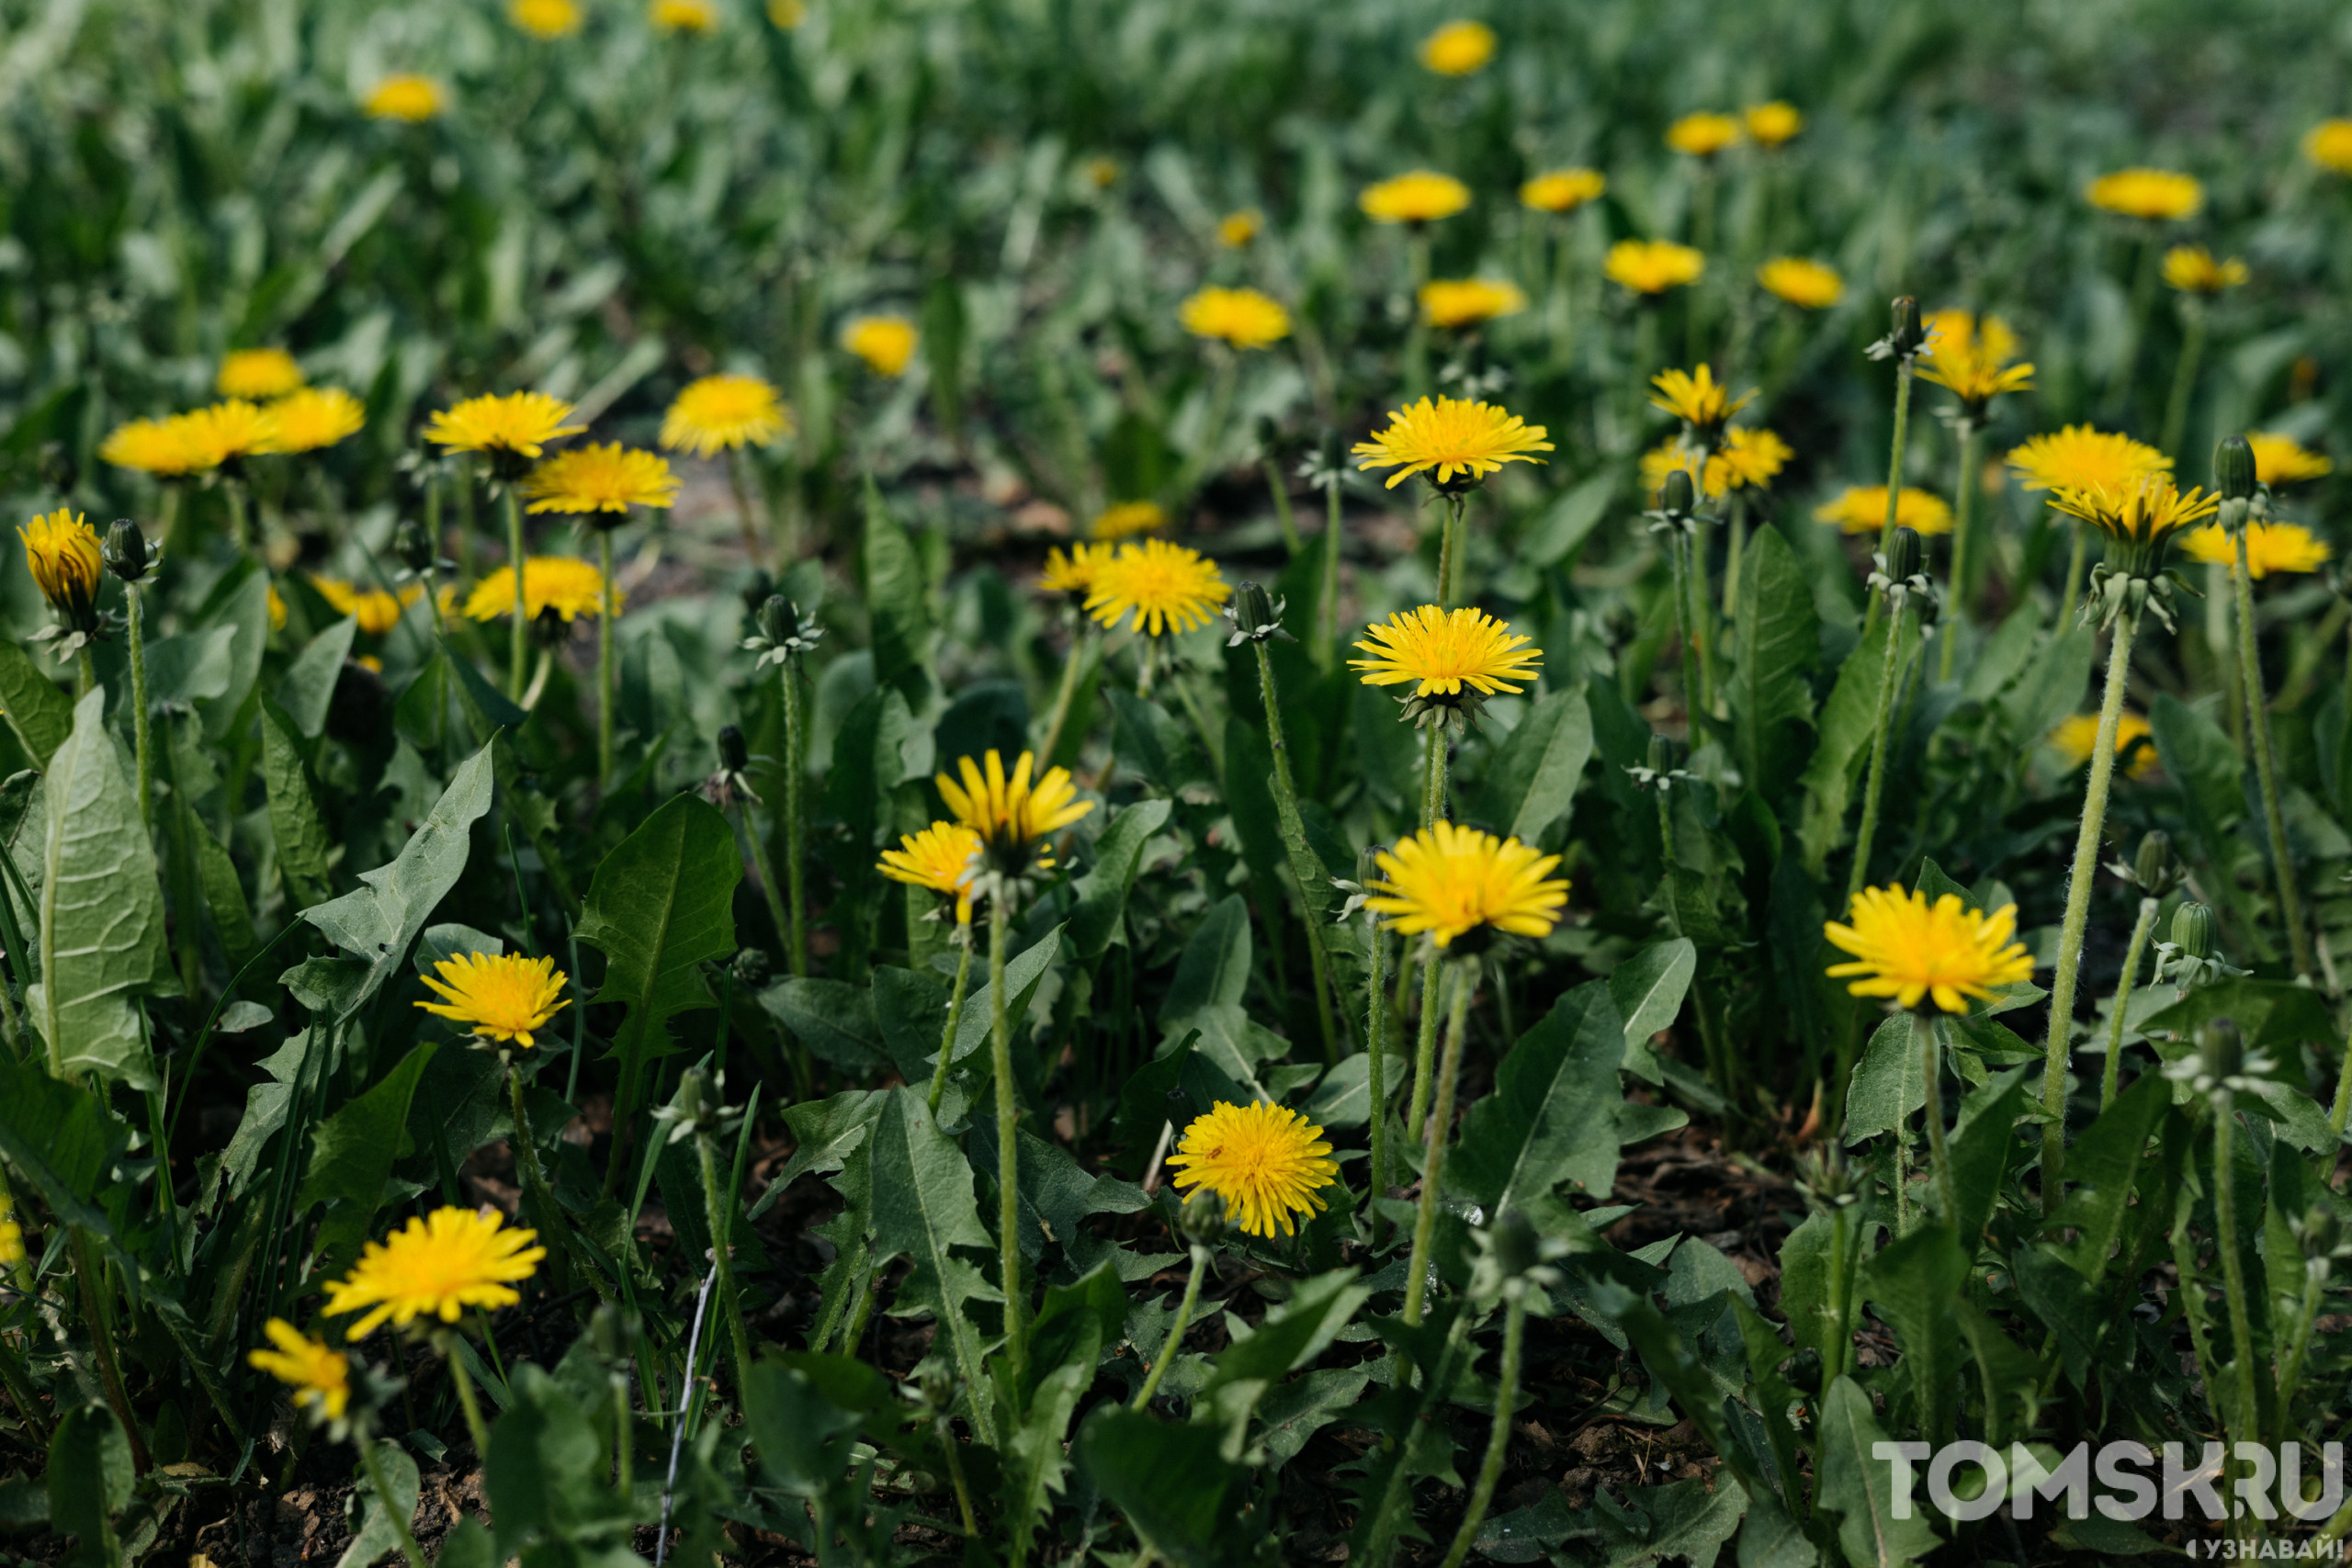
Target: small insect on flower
column 1911, row 952
column 404, row 97
column 1458, row 48
column 1456, row 302
column 1421, row 196
column 2074, row 737
column 1073, row 573
column 944, row 857
column 544, row 18
column 1235, row 230
column 2283, row 460
column 1451, row 881
column 567, row 586
column 1697, row 398
column 1650, row 267
column 602, row 480
column 61, row 551
column 1774, row 124
column 503, row 997
column 2155, row 195
column 157, row 447
column 1807, row 285
column 375, row 611
column 1453, row 442
column 1267, row 1161
column 1241, row 317
column 257, row 374
column 313, row 418
column 1169, row 587
column 2329, row 145
column 1703, row 135
column 2079, row 458
column 318, row 1377
column 886, row 342
column 1010, row 815
column 1563, row 190
column 1454, row 658
column 1861, row 509
column 722, row 414
column 690, row 19
column 2191, row 269
column 513, row 429
column 1126, row 519
column 437, row 1266
column 2269, row 546
column 1970, row 357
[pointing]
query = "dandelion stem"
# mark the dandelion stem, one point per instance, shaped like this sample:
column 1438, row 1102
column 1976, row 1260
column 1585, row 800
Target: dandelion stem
column 2257, row 713
column 2078, row 909
column 232, row 495
column 1433, row 777
column 2226, row 1242
column 606, row 612
column 1449, row 549
column 1083, row 651
column 1167, row 1357
column 1283, row 512
column 1701, row 629
column 716, row 1208
column 1008, row 1124
column 2184, row 376
column 1376, row 1038
column 745, row 517
column 1417, row 1274
column 142, row 744
column 85, row 673
column 763, row 864
column 1927, row 1029
column 954, row 1013
column 1417, row 335
column 446, row 1341
column 1963, row 507
column 1735, row 550
column 1305, row 869
column 393, row 1515
column 2112, row 1068
column 1327, row 645
column 1416, row 1107
column 2342, row 1111
column 518, row 644
column 796, row 770
column 1490, row 1469
column 1894, row 477
column 1889, row 671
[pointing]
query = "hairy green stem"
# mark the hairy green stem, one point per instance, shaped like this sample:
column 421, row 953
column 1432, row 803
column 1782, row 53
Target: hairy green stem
column 2225, row 1213
column 1376, row 1038
column 716, row 1207
column 1490, row 1469
column 2112, row 1068
column 1305, row 869
column 1327, row 643
column 605, row 614
column 1084, row 650
column 1417, row 1274
column 764, row 865
column 1449, row 548
column 795, row 821
column 1963, row 510
column 1167, row 1357
column 1894, row 477
column 2073, row 595
column 746, row 519
column 1881, row 723
column 2273, row 819
column 955, row 1013
column 2339, row 1113
column 1417, row 1106
column 2184, row 376
column 1926, row 1031
column 393, row 1513
column 1283, row 515
column 142, row 744
column 446, row 1341
column 1008, row 1122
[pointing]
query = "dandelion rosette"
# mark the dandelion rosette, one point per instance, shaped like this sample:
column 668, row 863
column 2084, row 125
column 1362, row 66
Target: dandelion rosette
column 601, row 481
column 1268, row 1162
column 1241, row 317
column 1703, row 135
column 1453, row 659
column 314, row 418
column 559, row 585
column 1970, row 356
column 1458, row 48
column 1421, row 196
column 406, row 98
column 1650, row 267
column 1456, row 303
column 2283, row 460
column 1774, row 124
column 1458, row 885
column 1235, row 230
column 501, row 997
column 2329, row 145
column 1454, row 442
column 1073, row 573
column 257, row 374
column 2155, row 194
column 2075, row 737
column 724, row 414
column 886, row 342
column 435, row 1267
column 1697, row 398
column 1563, row 190
column 1126, row 519
column 512, row 429
column 1861, row 509
column 1167, row 588
column 944, row 857
column 2191, row 269
column 375, row 611
column 1807, row 285
column 61, row 551
column 1912, row 953
column 2079, row 458
column 1012, row 815
column 315, row 1375
column 2269, row 546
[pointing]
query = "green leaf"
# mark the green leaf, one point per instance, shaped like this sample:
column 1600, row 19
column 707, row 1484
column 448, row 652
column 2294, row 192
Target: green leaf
column 1847, row 721
column 1095, row 920
column 545, row 1474
column 1981, row 1147
column 1808, row 1289
column 1173, row 1482
column 1779, row 644
column 241, row 600
column 898, row 599
column 2051, row 688
column 658, row 907
column 89, row 1483
column 803, row 1439
column 1684, row 1522
column 191, row 668
column 2101, row 1169
column 1913, row 1283
column 101, row 910
column 2197, row 756
column 487, row 709
column 1552, row 1115
column 40, row 713
column 1214, row 968
column 1293, row 1334
column 2272, row 1014
column 910, row 1012
column 380, row 920
column 225, row 895
column 351, row 1155
column 1649, row 990
column 1887, row 1087
column 376, row 1539
column 302, row 842
column 925, row 1211
column 1859, row 1486
column 832, row 1019
column 309, row 685
column 1023, row 971
column 60, row 1137
column 1568, row 522
column 1295, row 1411
column 1065, row 1345
column 1532, row 782
column 1152, row 745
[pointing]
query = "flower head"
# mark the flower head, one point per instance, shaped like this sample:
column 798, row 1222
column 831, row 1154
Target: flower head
column 1267, row 1161
column 2191, row 269
column 1450, row 881
column 1696, row 398
column 158, row 447
column 1861, row 509
column 886, row 342
column 1236, row 229
column 722, row 412
column 2283, row 460
column 257, row 374
column 1455, row 441
column 2153, row 194
column 503, row 997
column 1421, row 196
column 692, row 18
column 564, row 585
column 375, row 611
column 1808, row 284
column 1703, row 135
column 2329, row 145
column 319, row 1377
column 12, row 1234
column 1910, row 950
column 544, row 18
column 2079, row 458
column 437, row 1266
column 2074, row 737
column 1773, row 124
column 1458, row 48
column 1670, row 456
column 1073, row 573
column 61, row 549
column 228, row 432
column 944, row 857
column 1969, row 357
column 403, row 97
column 1169, row 587
column 1009, row 815
column 316, row 417
column 1650, row 267
column 1453, row 657
column 1466, row 301
column 1242, row 317
column 1563, row 190
column 2146, row 512
column 1126, row 519
column 512, row 428
column 1747, row 459
column 2269, row 546
column 608, row 479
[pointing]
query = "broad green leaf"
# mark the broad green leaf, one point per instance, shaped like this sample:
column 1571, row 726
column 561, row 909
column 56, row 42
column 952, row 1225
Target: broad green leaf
column 40, row 713
column 1779, row 645
column 545, row 1474
column 1888, row 1087
column 376, row 1539
column 2273, row 1013
column 1532, row 782
column 659, row 906
column 1095, row 920
column 832, row 1019
column 1214, row 966
column 101, row 910
column 351, row 1155
column 2101, row 1169
column 2074, row 1312
column 225, row 895
column 2197, row 756
column 1859, row 1486
column 1172, row 1484
column 802, row 1437
column 898, row 599
column 89, row 1483
column 309, row 686
column 1981, row 1148
column 1056, row 1196
column 1343, row 1096
column 1152, row 745
column 1293, row 1334
column 380, row 920
column 302, row 842
column 1808, row 1285
column 1568, row 522
column 1912, row 1283
column 1649, row 990
column 62, row 1139
column 1295, row 1411
column 1023, row 971
column 487, row 709
column 1686, row 1521
column 240, row 599
column 925, row 1211
column 193, row 666
column 1065, row 1345
column 2052, row 686
column 1552, row 1115
column 1846, row 720
column 909, row 1014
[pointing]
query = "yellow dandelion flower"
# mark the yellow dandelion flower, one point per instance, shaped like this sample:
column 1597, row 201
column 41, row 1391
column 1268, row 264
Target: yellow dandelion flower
column 1696, row 398
column 1450, row 881
column 685, row 17
column 2269, row 546
column 1911, row 952
column 887, row 342
column 2191, row 269
column 437, row 1266
column 1563, row 190
column 1100, row 173
column 1235, row 230
column 1747, row 459
column 257, row 374
column 317, row 1376
column 721, row 413
column 1665, row 457
column 1458, row 48
column 1422, row 196
column 544, row 18
column 1455, row 441
column 2134, row 739
column 375, row 611
column 944, row 857
column 1466, row 301
column 158, row 447
column 510, row 426
column 1011, row 816
column 61, row 551
column 608, row 479
column 278, row 608
column 1651, row 266
column 1267, row 1161
column 1808, row 284
column 1774, row 124
column 2079, row 458
column 2329, row 145
column 1074, row 573
column 1703, row 135
column 403, row 97
column 1444, row 650
column 316, row 417
column 12, row 1234
column 2153, row 194
column 229, row 432
column 1242, row 317
column 1127, row 519
column 2144, row 514
column 786, row 15
column 1861, row 509
column 1169, row 587
column 503, row 997
column 1970, row 357
column 569, row 587
column 2283, row 460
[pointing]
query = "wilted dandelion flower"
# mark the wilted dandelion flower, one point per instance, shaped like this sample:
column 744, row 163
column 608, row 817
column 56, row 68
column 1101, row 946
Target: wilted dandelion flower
column 2269, row 546
column 1563, row 190
column 569, row 587
column 1911, row 952
column 2153, row 194
column 315, row 418
column 606, row 479
column 2074, row 737
column 503, row 997
column 690, row 17
column 1703, row 135
column 437, row 1266
column 1267, row 1161
column 724, row 412
column 1650, row 267
column 1773, row 124
column 1074, row 573
column 1458, row 48
column 2283, row 460
column 544, row 18
column 1242, row 317
column 1696, row 398
column 1466, row 301
column 61, row 552
column 375, row 611
column 1453, row 659
column 257, row 374
column 1126, row 519
column 887, row 342
column 2079, row 457
column 404, row 97
column 1455, row 441
column 944, row 857
column 229, row 432
column 1168, row 587
column 1861, row 509
column 1970, row 357
column 158, row 447
column 1422, row 196
column 1010, row 815
column 315, row 1375
column 2329, row 145
column 1235, row 230
column 511, row 428
column 1808, row 284
column 1448, row 881
column 2191, row 269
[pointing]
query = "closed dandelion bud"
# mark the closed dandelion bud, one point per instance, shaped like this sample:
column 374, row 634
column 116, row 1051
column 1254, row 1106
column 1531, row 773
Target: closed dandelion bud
column 734, row 756
column 126, row 550
column 779, row 621
column 1517, row 1246
column 2151, row 867
column 411, row 546
column 1255, row 617
column 1902, row 555
column 2193, row 930
column 1908, row 336
column 2233, row 473
column 1661, row 757
column 1676, row 498
column 2220, row 1053
column 752, row 968
column 1202, row 1220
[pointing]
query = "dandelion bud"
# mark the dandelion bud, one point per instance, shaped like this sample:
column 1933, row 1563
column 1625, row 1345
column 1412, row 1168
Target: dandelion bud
column 126, row 550
column 1202, row 1220
column 1902, row 555
column 2233, row 473
column 1677, row 498
column 779, row 621
column 2193, row 930
column 734, row 756
column 1517, row 1246
column 1255, row 617
column 1661, row 757
column 2320, row 1231
column 2221, row 1052
column 1907, row 336
column 752, row 968
column 413, row 546
column 2152, row 868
